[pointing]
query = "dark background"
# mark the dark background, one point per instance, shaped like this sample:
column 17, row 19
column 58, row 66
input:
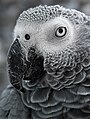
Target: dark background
column 9, row 12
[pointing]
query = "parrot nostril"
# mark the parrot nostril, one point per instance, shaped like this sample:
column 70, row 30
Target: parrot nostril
column 27, row 36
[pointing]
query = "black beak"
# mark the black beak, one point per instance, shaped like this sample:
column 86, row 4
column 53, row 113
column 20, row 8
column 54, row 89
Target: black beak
column 16, row 64
column 21, row 69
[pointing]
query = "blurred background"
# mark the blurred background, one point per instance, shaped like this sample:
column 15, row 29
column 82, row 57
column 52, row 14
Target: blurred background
column 9, row 12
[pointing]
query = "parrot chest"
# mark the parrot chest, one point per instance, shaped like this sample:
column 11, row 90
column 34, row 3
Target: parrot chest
column 69, row 90
column 59, row 91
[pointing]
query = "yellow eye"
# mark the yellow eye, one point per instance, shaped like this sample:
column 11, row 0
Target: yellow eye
column 61, row 31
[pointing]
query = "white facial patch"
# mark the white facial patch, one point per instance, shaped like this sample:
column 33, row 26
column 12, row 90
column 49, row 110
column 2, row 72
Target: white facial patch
column 48, row 42
column 42, row 35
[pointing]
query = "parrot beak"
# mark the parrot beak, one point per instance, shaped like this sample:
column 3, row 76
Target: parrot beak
column 16, row 64
column 21, row 69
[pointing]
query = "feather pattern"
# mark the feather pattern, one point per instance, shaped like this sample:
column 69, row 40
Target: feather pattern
column 11, row 105
column 66, row 90
column 73, row 93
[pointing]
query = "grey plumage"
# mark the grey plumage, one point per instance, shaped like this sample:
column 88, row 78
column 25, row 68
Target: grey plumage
column 49, row 65
column 11, row 105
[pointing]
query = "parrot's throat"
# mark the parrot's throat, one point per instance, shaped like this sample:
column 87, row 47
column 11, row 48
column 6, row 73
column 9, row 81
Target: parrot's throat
column 63, row 67
column 58, row 62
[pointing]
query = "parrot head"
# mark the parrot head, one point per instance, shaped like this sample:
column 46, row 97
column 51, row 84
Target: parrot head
column 49, row 42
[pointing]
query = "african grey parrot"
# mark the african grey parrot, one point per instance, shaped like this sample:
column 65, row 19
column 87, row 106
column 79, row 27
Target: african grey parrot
column 49, row 66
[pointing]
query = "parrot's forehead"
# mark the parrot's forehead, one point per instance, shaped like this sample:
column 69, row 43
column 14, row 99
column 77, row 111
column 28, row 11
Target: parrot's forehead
column 45, row 13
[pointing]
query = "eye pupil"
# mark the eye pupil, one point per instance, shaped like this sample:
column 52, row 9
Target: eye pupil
column 60, row 30
column 27, row 36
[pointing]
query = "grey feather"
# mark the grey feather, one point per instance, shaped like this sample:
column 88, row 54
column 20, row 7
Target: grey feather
column 11, row 106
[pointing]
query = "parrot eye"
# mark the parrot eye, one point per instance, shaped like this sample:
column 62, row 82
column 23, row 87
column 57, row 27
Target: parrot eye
column 27, row 36
column 61, row 31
